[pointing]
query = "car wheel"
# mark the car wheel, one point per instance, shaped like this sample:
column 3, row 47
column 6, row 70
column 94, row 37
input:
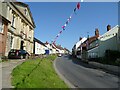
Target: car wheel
column 21, row 57
column 26, row 57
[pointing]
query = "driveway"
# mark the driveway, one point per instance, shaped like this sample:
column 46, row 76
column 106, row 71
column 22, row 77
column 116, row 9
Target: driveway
column 5, row 72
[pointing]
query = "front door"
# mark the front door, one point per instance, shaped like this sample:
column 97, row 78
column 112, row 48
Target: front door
column 21, row 47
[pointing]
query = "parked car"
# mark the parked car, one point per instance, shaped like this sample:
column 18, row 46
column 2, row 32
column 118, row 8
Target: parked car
column 59, row 55
column 18, row 54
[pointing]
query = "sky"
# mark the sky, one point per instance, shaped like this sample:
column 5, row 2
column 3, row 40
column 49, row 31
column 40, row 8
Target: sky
column 49, row 17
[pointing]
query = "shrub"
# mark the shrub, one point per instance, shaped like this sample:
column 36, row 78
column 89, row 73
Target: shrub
column 112, row 54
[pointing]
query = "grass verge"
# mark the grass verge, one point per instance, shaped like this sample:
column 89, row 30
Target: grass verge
column 37, row 73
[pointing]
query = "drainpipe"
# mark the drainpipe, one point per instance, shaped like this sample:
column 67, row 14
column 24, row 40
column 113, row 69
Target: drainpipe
column 117, row 41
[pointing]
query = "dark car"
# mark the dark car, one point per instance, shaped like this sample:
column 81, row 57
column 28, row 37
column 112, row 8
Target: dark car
column 18, row 54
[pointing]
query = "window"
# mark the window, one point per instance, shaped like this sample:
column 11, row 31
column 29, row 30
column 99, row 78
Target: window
column 11, row 41
column 13, row 20
column 1, row 28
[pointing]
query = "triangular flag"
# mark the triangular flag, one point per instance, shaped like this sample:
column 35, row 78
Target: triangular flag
column 65, row 25
column 60, row 31
column 67, row 22
column 78, row 6
column 58, row 34
column 68, row 19
column 74, row 9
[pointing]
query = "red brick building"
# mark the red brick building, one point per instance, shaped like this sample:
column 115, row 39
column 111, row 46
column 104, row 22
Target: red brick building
column 3, row 34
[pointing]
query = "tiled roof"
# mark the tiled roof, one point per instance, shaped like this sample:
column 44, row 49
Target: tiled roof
column 36, row 40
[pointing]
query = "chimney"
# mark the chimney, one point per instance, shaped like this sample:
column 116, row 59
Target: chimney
column 46, row 42
column 80, row 38
column 97, row 32
column 108, row 27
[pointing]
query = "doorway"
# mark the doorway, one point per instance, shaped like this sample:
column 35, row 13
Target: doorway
column 21, row 47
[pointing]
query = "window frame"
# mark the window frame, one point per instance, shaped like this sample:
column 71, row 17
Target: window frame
column 1, row 27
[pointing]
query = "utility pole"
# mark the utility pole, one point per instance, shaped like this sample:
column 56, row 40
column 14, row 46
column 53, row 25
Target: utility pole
column 87, row 45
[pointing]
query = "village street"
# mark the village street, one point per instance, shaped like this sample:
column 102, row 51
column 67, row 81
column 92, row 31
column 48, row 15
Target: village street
column 77, row 73
column 83, row 75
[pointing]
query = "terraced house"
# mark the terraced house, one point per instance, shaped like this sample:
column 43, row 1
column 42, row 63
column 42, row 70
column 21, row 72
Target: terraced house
column 21, row 30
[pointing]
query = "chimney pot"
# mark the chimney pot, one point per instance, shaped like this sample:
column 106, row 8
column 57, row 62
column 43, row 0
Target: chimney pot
column 97, row 32
column 108, row 27
column 80, row 38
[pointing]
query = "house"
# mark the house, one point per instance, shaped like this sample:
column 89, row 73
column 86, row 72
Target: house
column 54, row 50
column 3, row 30
column 85, row 45
column 76, row 49
column 39, row 47
column 108, row 41
column 21, row 30
column 49, row 48
column 92, row 45
column 59, row 49
column 66, row 51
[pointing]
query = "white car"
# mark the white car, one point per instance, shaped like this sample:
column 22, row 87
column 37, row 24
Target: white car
column 59, row 55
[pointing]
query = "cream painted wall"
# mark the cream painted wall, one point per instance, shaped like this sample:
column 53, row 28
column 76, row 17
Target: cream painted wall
column 39, row 49
column 108, row 41
column 19, row 23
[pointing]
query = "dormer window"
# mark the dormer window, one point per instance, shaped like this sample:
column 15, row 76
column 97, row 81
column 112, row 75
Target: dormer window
column 25, row 11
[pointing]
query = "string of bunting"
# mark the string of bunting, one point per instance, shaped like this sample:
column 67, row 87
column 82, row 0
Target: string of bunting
column 67, row 22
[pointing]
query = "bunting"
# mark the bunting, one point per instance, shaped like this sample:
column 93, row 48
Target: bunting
column 67, row 22
column 78, row 6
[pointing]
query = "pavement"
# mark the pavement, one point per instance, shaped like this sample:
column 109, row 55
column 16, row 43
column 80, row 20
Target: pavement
column 6, row 70
column 110, row 68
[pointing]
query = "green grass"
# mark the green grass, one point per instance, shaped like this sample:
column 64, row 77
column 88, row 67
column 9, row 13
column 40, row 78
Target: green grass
column 3, row 61
column 37, row 74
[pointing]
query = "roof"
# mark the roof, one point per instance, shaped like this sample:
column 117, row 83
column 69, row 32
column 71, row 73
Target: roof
column 46, row 43
column 89, row 40
column 27, row 6
column 36, row 40
column 58, row 46
column 92, row 39
column 4, row 19
column 66, row 49
column 111, row 31
column 81, row 41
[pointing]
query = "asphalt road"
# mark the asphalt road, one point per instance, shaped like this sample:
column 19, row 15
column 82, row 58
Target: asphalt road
column 83, row 75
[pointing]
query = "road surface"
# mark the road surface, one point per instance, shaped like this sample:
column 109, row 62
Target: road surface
column 83, row 75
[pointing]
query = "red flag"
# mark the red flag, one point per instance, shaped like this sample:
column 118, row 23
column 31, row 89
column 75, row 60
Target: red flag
column 63, row 27
column 78, row 5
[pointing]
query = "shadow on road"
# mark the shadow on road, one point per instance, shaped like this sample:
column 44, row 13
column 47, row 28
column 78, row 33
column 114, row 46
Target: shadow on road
column 82, row 63
column 87, row 65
